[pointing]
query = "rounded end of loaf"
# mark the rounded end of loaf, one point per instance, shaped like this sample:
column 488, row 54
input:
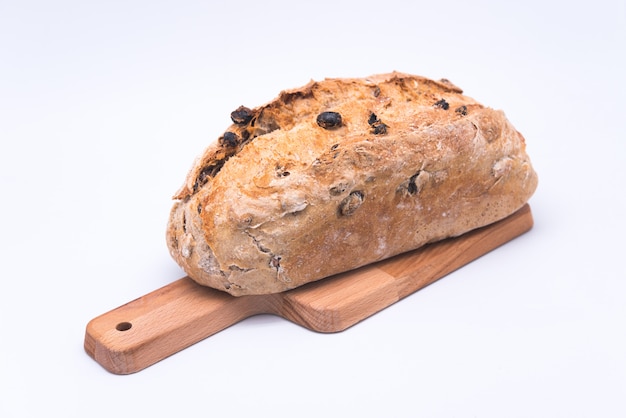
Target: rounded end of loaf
column 186, row 241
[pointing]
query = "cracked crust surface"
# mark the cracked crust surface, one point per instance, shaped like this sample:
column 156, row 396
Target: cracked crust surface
column 341, row 173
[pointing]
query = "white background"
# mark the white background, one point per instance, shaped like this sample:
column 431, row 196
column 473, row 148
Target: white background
column 104, row 105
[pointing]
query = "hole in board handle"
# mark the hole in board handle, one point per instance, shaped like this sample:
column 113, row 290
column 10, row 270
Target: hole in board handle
column 123, row 326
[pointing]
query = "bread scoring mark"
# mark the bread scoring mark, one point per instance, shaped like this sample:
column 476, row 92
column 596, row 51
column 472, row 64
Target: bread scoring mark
column 289, row 96
column 208, row 172
column 263, row 124
column 351, row 203
column 291, row 105
column 230, row 143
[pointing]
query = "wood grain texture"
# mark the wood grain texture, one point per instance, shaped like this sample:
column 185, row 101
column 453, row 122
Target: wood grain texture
column 167, row 320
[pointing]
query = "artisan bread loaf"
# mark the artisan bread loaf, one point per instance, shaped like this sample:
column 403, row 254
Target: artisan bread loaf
column 341, row 173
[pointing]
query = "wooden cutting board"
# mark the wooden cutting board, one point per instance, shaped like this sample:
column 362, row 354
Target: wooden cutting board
column 167, row 320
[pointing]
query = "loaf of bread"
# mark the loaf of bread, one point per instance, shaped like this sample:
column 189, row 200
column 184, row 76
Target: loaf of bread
column 342, row 173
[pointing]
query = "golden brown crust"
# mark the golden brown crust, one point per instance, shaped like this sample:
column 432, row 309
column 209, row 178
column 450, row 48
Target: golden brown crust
column 297, row 194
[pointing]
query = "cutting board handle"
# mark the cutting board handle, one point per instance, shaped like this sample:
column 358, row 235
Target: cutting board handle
column 161, row 323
